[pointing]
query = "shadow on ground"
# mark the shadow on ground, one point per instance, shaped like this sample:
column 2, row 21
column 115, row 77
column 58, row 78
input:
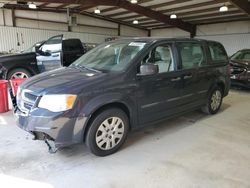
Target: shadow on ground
column 167, row 127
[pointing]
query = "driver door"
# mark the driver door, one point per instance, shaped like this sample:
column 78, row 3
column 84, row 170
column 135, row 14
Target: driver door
column 49, row 55
column 158, row 95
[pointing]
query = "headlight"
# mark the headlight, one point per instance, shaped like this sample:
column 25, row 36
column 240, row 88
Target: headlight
column 57, row 103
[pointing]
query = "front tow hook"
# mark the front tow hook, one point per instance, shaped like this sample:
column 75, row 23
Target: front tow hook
column 51, row 146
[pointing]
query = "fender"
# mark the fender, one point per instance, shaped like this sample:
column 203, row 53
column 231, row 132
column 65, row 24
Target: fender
column 111, row 98
column 219, row 81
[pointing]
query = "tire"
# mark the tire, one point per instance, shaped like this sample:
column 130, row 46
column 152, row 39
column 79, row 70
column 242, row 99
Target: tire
column 18, row 73
column 214, row 101
column 107, row 132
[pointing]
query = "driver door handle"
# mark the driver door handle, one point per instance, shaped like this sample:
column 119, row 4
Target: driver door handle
column 56, row 55
column 176, row 79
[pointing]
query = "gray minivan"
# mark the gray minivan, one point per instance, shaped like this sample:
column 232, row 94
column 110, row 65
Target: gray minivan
column 121, row 86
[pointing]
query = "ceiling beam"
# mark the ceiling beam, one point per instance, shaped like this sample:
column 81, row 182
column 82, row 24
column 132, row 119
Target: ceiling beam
column 174, row 2
column 115, row 8
column 55, row 1
column 109, row 9
column 243, row 5
column 157, row 25
column 160, row 27
column 206, row 10
column 85, row 7
column 51, row 9
column 149, row 23
column 181, row 8
column 62, row 6
column 221, row 20
column 224, row 14
column 113, row 20
column 43, row 5
column 149, row 13
column 151, row 7
column 133, row 8
column 196, row 5
column 157, row 16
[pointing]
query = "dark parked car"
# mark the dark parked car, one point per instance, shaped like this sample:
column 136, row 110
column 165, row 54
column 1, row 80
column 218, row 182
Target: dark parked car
column 42, row 56
column 121, row 86
column 240, row 65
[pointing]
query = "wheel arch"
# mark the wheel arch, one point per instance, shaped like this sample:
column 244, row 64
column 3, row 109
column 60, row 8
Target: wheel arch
column 218, row 83
column 114, row 104
column 19, row 67
column 222, row 86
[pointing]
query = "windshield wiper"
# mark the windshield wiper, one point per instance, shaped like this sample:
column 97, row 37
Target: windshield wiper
column 87, row 68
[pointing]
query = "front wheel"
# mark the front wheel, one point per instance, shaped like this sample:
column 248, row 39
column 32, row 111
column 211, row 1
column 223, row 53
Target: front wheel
column 107, row 132
column 18, row 73
column 214, row 101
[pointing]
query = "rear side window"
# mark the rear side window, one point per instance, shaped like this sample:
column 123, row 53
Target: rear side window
column 217, row 52
column 192, row 55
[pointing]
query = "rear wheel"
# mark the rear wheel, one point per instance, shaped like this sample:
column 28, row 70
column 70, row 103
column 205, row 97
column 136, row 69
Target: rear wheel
column 214, row 101
column 107, row 132
column 18, row 73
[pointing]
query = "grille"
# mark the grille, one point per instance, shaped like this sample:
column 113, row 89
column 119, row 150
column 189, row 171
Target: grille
column 30, row 96
column 26, row 100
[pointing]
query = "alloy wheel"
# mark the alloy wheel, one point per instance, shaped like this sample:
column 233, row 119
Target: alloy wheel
column 19, row 75
column 216, row 100
column 109, row 133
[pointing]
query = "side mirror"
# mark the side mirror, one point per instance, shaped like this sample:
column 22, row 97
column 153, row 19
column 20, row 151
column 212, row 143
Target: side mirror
column 148, row 69
column 37, row 48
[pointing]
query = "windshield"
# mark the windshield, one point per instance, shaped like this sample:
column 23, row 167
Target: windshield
column 241, row 55
column 32, row 48
column 110, row 57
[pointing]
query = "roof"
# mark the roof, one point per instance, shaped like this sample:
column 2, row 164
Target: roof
column 152, row 39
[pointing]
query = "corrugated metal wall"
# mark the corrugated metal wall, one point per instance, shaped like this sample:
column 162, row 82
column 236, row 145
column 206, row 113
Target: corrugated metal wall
column 233, row 35
column 8, row 37
column 231, row 42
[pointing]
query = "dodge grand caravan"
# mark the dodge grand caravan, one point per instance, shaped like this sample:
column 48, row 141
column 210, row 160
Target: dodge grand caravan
column 120, row 86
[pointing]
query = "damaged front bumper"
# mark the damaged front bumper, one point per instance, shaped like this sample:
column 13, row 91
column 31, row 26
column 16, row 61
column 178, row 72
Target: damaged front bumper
column 56, row 129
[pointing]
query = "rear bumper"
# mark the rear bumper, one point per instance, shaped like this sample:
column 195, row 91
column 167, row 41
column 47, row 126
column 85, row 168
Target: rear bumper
column 57, row 127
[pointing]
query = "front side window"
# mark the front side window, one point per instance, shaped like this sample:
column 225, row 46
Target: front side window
column 192, row 55
column 217, row 52
column 162, row 56
column 52, row 45
column 110, row 57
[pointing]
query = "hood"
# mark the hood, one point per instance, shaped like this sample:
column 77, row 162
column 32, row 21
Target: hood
column 11, row 57
column 240, row 63
column 63, row 80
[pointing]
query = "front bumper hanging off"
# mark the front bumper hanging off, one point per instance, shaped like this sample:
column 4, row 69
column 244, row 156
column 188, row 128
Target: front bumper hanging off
column 51, row 146
column 57, row 130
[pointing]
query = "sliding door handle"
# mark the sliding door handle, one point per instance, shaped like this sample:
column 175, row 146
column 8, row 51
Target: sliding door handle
column 187, row 77
column 176, row 79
